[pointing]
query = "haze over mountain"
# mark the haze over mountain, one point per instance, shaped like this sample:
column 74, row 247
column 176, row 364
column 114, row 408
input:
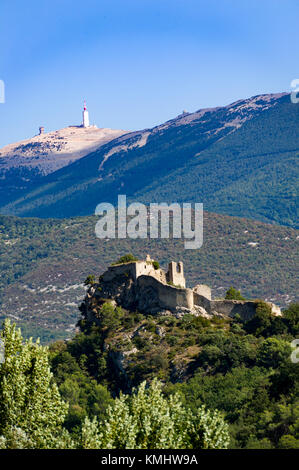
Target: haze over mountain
column 240, row 159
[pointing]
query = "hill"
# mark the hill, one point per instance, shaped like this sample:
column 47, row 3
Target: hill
column 241, row 159
column 44, row 264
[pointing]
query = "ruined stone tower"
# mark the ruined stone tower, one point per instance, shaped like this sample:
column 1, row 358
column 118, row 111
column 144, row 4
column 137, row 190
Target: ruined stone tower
column 175, row 274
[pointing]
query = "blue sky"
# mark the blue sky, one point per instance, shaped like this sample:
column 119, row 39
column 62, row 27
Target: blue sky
column 138, row 63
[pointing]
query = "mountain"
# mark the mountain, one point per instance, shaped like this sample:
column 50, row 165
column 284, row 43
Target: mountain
column 240, row 159
column 44, row 262
column 24, row 163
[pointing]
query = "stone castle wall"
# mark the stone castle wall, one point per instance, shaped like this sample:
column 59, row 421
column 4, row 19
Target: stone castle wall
column 231, row 308
column 134, row 269
column 137, row 285
column 204, row 290
column 119, row 270
column 164, row 296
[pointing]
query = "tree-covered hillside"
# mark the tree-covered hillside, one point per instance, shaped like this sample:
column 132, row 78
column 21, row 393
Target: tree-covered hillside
column 44, row 264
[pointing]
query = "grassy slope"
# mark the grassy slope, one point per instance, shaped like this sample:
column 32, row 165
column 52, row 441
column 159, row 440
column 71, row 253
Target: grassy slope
column 44, row 263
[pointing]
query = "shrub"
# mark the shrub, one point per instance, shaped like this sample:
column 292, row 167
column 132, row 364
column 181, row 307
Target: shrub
column 171, row 340
column 90, row 280
column 156, row 265
column 126, row 259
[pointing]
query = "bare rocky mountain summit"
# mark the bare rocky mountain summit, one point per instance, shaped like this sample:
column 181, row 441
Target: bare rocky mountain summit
column 51, row 151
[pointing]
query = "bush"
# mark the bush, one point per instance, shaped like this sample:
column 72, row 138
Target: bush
column 172, row 340
column 90, row 280
column 156, row 265
column 126, row 259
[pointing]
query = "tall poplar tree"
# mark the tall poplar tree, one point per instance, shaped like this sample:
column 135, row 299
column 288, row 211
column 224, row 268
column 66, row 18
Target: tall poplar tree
column 31, row 409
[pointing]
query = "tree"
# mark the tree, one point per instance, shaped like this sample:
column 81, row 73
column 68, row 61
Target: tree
column 273, row 353
column 233, row 294
column 282, row 424
column 31, row 409
column 288, row 442
column 292, row 317
column 260, row 323
column 110, row 317
column 148, row 420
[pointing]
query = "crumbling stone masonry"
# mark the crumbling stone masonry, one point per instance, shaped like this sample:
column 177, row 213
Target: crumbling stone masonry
column 137, row 285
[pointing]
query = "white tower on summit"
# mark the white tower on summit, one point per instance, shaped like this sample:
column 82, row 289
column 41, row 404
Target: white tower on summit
column 85, row 116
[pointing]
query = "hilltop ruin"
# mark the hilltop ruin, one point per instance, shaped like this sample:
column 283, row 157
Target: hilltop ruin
column 145, row 287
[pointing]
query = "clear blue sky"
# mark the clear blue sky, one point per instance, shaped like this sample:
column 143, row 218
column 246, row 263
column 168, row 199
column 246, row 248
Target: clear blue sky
column 138, row 62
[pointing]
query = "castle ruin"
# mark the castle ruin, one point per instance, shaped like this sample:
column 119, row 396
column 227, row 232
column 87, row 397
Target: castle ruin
column 143, row 286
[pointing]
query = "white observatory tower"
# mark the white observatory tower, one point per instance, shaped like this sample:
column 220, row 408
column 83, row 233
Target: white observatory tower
column 85, row 116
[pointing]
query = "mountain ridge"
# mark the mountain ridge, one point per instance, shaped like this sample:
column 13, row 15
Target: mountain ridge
column 214, row 156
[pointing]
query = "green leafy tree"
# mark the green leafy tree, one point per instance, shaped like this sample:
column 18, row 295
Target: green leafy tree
column 233, row 294
column 281, row 424
column 273, row 353
column 260, row 324
column 31, row 409
column 288, row 442
column 110, row 316
column 292, row 317
column 148, row 420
